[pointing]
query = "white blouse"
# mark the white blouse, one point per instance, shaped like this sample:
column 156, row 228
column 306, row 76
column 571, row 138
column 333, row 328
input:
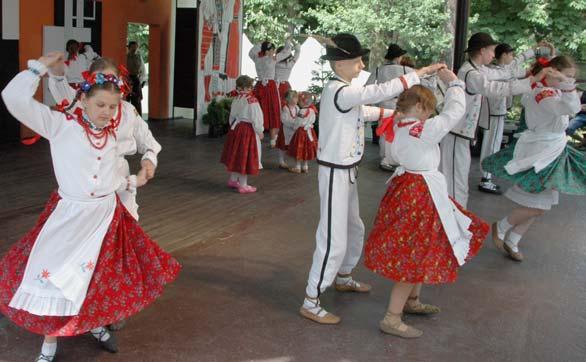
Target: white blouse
column 265, row 65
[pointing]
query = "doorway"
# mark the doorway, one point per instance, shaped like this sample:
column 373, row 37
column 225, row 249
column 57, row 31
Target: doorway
column 138, row 65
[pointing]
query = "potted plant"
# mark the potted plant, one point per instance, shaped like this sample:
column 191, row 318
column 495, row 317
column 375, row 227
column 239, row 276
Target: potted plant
column 218, row 112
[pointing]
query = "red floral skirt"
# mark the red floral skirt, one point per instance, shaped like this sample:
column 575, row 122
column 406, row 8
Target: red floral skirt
column 301, row 147
column 281, row 140
column 270, row 103
column 240, row 152
column 408, row 242
column 130, row 274
column 283, row 88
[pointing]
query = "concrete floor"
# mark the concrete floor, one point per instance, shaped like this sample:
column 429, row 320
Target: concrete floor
column 245, row 269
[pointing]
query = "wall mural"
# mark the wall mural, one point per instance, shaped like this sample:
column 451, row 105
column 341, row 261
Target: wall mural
column 220, row 34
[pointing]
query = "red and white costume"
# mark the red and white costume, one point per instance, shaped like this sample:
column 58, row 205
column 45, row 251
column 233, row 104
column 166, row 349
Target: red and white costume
column 86, row 263
column 420, row 234
column 265, row 89
column 283, row 71
column 288, row 127
column 79, row 63
column 242, row 151
column 303, row 146
column 133, row 135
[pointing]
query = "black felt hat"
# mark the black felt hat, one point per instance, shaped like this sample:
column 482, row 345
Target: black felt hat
column 502, row 49
column 394, row 51
column 479, row 41
column 344, row 46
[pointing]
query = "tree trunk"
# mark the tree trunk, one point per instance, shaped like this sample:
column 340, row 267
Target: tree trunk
column 450, row 26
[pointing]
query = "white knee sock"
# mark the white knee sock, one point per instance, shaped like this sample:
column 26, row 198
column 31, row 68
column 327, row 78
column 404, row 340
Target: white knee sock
column 502, row 227
column 49, row 349
column 513, row 241
column 313, row 306
column 343, row 280
column 298, row 164
column 305, row 165
column 282, row 157
column 233, row 176
column 243, row 179
column 97, row 331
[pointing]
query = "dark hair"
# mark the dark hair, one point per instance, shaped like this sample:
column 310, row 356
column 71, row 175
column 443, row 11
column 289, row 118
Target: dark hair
column 501, row 49
column 414, row 95
column 560, row 63
column 132, row 42
column 101, row 64
column 266, row 46
column 244, row 81
column 68, row 45
column 280, row 49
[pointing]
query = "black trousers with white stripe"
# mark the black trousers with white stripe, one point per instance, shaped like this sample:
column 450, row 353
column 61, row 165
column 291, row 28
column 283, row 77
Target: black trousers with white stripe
column 340, row 233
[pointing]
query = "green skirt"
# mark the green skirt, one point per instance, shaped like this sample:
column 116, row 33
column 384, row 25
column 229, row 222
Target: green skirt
column 567, row 173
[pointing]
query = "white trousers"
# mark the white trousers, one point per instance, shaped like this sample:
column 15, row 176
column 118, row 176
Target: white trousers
column 455, row 165
column 492, row 140
column 127, row 198
column 340, row 233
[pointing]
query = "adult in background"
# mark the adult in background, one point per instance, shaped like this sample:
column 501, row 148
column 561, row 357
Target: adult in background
column 136, row 74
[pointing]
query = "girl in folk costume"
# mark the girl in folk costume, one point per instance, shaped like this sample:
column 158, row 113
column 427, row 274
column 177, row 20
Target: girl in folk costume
column 86, row 263
column 78, row 61
column 289, row 121
column 265, row 61
column 132, row 134
column 242, row 151
column 391, row 69
column 541, row 164
column 283, row 70
column 303, row 146
column 420, row 235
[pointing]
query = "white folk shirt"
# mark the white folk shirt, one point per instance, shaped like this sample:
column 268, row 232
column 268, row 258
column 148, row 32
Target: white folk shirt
column 133, row 133
column 547, row 112
column 283, row 68
column 306, row 119
column 62, row 260
column 245, row 108
column 343, row 114
column 416, row 149
column 265, row 65
column 484, row 81
column 389, row 71
column 79, row 64
column 288, row 119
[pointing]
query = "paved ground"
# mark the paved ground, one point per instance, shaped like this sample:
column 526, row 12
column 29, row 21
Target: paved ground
column 246, row 259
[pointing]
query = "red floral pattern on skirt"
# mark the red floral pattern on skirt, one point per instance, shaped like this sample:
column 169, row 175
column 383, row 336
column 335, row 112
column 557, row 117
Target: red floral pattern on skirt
column 301, row 148
column 130, row 274
column 240, row 152
column 283, row 88
column 270, row 103
column 408, row 242
column 281, row 140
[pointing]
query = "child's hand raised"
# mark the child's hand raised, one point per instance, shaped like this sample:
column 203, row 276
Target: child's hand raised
column 430, row 69
column 446, row 75
column 52, row 59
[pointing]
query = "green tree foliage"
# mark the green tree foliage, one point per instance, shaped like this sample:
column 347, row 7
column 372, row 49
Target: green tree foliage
column 522, row 23
column 140, row 34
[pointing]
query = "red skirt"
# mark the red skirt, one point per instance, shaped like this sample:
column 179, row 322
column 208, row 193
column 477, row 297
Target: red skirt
column 408, row 243
column 240, row 152
column 130, row 274
column 281, row 140
column 268, row 97
column 284, row 87
column 301, row 147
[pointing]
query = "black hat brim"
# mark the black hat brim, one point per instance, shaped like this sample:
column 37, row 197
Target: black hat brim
column 344, row 56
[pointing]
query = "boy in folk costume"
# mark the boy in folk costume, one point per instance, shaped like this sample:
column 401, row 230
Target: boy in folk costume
column 540, row 163
column 266, row 91
column 480, row 81
column 420, row 236
column 133, row 132
column 242, row 151
column 288, row 126
column 391, row 69
column 86, row 263
column 283, row 70
column 340, row 233
column 303, row 145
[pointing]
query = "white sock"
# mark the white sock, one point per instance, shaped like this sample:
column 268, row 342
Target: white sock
column 298, row 164
column 97, row 331
column 502, row 227
column 513, row 241
column 49, row 349
column 313, row 306
column 343, row 280
column 305, row 165
column 282, row 157
column 243, row 179
column 233, row 176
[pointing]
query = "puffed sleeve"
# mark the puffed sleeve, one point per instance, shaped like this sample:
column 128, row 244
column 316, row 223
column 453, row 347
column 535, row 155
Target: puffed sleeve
column 454, row 109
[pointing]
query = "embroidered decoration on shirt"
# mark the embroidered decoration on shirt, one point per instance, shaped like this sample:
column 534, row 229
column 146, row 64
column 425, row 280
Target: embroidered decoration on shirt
column 89, row 266
column 546, row 93
column 416, row 130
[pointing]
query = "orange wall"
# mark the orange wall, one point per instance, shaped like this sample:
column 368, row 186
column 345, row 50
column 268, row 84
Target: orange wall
column 30, row 44
column 116, row 14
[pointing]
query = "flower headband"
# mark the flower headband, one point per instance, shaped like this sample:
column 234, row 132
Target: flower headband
column 100, row 78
